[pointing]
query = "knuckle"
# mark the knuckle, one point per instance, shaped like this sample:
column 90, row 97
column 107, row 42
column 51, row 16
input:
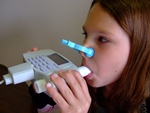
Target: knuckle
column 83, row 108
column 87, row 104
column 72, row 71
column 79, row 109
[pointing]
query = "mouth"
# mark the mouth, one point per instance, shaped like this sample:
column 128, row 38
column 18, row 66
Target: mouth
column 88, row 76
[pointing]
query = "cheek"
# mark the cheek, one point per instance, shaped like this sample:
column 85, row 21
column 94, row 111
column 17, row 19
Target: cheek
column 111, row 64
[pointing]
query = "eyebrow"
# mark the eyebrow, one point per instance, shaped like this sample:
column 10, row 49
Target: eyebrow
column 103, row 32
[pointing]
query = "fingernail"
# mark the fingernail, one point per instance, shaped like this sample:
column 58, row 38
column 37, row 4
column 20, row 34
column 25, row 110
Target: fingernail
column 54, row 75
column 61, row 71
column 48, row 85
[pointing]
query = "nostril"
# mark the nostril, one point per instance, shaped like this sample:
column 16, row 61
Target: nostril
column 82, row 54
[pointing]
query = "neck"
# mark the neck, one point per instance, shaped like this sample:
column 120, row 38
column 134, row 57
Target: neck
column 107, row 89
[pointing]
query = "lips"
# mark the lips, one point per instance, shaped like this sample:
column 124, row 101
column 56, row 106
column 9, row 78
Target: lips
column 88, row 76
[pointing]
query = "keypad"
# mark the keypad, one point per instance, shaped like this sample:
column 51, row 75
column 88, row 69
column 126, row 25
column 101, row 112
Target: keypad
column 41, row 63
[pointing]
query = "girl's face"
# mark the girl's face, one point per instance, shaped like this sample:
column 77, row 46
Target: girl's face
column 111, row 45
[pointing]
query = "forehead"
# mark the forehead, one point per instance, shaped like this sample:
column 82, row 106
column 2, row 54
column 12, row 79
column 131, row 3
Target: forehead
column 98, row 18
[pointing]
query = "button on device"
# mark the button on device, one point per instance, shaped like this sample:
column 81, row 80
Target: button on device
column 36, row 66
column 49, row 67
column 47, row 62
column 43, row 69
column 44, row 64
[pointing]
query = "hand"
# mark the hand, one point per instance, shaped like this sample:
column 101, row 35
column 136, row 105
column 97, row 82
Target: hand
column 33, row 49
column 72, row 97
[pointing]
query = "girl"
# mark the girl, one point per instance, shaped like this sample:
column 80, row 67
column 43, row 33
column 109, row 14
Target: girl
column 119, row 82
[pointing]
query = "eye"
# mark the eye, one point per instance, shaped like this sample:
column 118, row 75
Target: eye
column 102, row 40
column 85, row 34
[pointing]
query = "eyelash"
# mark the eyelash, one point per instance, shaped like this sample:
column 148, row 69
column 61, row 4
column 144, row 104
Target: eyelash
column 85, row 34
column 100, row 39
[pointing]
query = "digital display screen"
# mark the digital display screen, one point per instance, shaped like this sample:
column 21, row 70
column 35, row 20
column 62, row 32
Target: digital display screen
column 57, row 59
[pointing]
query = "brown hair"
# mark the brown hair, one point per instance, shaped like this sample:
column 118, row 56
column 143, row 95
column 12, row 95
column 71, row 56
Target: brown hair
column 133, row 87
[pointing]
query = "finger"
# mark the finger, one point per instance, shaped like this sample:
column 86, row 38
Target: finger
column 72, row 82
column 63, row 89
column 83, row 85
column 76, row 83
column 35, row 49
column 56, row 95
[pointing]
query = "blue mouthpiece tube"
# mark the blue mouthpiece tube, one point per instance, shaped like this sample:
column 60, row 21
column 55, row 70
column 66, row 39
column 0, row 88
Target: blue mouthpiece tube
column 89, row 52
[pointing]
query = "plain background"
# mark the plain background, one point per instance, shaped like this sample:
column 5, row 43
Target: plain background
column 25, row 24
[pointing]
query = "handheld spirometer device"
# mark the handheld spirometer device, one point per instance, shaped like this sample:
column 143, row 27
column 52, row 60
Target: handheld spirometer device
column 39, row 65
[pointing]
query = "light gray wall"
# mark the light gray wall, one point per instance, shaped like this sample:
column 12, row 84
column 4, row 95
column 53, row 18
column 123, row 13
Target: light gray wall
column 40, row 23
